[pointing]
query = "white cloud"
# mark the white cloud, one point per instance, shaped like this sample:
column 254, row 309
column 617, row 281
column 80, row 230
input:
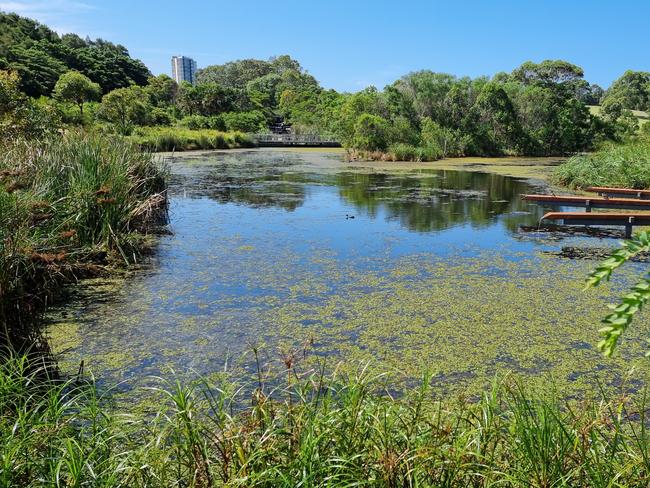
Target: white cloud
column 55, row 13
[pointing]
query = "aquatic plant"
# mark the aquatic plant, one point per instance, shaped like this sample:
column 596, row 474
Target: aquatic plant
column 179, row 139
column 625, row 165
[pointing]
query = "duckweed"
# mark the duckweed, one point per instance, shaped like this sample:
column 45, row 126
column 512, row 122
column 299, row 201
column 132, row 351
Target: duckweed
column 407, row 284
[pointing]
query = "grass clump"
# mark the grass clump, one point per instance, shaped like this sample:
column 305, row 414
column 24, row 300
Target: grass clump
column 182, row 139
column 67, row 204
column 623, row 165
column 316, row 429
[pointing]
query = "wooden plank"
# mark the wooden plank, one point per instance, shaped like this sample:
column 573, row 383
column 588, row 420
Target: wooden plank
column 590, row 202
column 625, row 192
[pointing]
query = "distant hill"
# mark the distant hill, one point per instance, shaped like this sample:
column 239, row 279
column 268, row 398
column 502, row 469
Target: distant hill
column 40, row 56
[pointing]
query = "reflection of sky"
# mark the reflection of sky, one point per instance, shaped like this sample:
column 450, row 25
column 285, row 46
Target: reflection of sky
column 227, row 264
column 320, row 222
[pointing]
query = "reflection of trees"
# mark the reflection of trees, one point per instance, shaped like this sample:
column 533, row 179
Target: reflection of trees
column 256, row 193
column 254, row 183
column 433, row 200
column 425, row 200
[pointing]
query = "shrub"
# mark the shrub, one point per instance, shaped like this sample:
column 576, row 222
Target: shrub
column 371, row 133
column 160, row 116
column 194, row 122
column 245, row 121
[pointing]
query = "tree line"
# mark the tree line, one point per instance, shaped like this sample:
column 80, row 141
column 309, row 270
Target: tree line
column 538, row 109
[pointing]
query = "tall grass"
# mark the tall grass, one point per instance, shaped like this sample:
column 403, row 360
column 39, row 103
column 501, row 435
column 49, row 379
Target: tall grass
column 67, row 204
column 623, row 165
column 316, row 429
column 180, row 139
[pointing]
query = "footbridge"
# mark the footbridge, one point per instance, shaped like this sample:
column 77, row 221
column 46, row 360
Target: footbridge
column 294, row 140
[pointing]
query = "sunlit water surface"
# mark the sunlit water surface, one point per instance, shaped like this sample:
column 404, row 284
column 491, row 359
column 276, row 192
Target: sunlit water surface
column 403, row 270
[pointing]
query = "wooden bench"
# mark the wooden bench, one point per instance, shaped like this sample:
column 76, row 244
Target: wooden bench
column 628, row 220
column 590, row 202
column 608, row 191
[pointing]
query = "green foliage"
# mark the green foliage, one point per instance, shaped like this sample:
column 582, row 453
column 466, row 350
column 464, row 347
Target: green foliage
column 408, row 152
column 253, row 121
column 160, row 116
column 40, row 57
column 371, row 133
column 631, row 91
column 549, row 73
column 617, row 322
column 179, row 139
column 162, row 91
column 64, row 201
column 77, row 88
column 125, row 108
column 447, row 142
column 539, row 109
column 626, row 165
column 207, row 99
column 315, row 429
column 20, row 116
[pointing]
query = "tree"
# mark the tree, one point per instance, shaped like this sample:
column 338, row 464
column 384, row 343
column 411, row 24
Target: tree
column 253, row 121
column 77, row 88
column 548, row 72
column 207, row 99
column 21, row 116
column 40, row 56
column 371, row 133
column 162, row 91
column 631, row 90
column 445, row 142
column 496, row 114
column 125, row 108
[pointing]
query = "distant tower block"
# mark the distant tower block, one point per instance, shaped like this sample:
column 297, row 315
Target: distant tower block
column 183, row 69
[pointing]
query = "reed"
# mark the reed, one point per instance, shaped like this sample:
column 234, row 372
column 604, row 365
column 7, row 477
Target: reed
column 317, row 429
column 159, row 139
column 625, row 165
column 68, row 204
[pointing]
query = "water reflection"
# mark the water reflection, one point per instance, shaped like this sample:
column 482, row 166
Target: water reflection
column 423, row 201
column 428, row 273
column 434, row 200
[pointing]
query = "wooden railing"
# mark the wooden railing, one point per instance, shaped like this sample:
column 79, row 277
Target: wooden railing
column 266, row 140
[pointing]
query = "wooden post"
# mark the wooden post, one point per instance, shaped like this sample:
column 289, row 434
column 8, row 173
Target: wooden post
column 628, row 228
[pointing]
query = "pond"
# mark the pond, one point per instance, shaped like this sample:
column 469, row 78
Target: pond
column 402, row 270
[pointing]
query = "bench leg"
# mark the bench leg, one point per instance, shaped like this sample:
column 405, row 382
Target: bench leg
column 628, row 231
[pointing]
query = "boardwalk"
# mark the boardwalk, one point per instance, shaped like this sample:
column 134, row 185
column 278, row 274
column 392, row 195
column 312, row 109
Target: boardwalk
column 294, row 140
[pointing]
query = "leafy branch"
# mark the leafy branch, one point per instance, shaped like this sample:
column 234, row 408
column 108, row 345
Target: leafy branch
column 617, row 322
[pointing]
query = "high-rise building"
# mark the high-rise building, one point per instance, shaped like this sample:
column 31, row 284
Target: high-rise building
column 183, row 69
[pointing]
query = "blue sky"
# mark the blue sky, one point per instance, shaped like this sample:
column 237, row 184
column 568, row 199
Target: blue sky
column 350, row 44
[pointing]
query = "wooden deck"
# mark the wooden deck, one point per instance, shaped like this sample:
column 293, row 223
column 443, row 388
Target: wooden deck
column 589, row 202
column 608, row 191
column 294, row 140
column 628, row 220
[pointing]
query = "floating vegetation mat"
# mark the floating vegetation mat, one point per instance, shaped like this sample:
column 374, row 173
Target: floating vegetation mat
column 265, row 256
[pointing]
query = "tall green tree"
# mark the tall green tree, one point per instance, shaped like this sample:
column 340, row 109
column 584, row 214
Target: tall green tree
column 162, row 91
column 40, row 56
column 631, row 91
column 76, row 88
